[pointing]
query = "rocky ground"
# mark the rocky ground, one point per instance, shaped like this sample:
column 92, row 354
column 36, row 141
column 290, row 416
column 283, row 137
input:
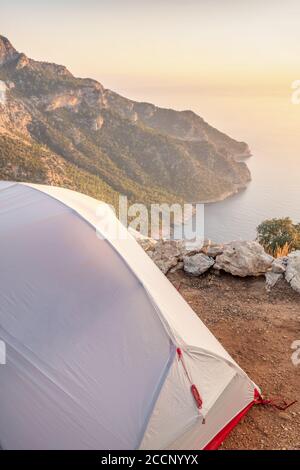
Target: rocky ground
column 258, row 329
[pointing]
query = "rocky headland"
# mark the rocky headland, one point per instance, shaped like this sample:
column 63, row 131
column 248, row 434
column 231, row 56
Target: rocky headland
column 62, row 130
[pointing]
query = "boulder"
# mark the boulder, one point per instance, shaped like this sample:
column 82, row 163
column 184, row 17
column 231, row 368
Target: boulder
column 244, row 258
column 279, row 265
column 197, row 264
column 277, row 271
column 178, row 267
column 166, row 254
column 213, row 250
column 292, row 273
column 272, row 279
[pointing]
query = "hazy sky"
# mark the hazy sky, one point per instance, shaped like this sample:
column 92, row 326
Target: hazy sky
column 222, row 45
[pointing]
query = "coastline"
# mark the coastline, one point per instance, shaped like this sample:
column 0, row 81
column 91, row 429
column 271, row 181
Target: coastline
column 237, row 187
column 222, row 198
column 226, row 195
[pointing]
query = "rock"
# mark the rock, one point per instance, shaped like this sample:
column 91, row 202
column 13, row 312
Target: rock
column 7, row 52
column 197, row 264
column 279, row 265
column 292, row 273
column 97, row 123
column 278, row 269
column 177, row 267
column 3, row 88
column 213, row 250
column 285, row 416
column 272, row 279
column 244, row 258
column 166, row 254
column 194, row 247
column 22, row 61
column 148, row 244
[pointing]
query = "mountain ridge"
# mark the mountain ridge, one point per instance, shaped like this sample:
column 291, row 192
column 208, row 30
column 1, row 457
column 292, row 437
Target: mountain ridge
column 152, row 154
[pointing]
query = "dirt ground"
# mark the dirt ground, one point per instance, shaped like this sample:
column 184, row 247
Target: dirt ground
column 257, row 328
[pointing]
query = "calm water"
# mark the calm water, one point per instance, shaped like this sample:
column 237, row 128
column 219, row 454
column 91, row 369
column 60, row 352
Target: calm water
column 271, row 127
column 273, row 192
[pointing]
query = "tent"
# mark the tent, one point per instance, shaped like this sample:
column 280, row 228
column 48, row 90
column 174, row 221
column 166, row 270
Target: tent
column 102, row 351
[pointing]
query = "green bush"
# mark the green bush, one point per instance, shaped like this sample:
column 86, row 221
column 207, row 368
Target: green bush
column 279, row 236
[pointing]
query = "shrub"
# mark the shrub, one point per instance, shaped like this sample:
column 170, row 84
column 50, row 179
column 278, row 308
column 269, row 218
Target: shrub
column 279, row 236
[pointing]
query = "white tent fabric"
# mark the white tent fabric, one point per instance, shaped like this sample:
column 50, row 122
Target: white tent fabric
column 92, row 331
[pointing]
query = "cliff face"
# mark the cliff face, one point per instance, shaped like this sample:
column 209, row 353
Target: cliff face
column 7, row 51
column 104, row 141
